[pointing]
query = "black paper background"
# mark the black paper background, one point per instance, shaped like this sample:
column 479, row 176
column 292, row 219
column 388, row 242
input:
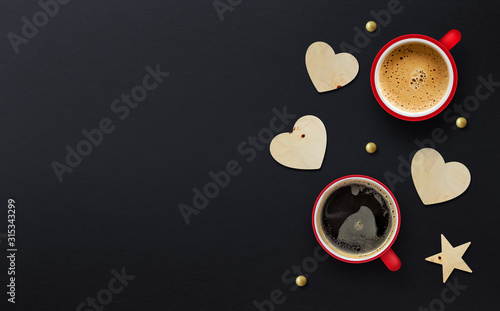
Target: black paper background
column 119, row 208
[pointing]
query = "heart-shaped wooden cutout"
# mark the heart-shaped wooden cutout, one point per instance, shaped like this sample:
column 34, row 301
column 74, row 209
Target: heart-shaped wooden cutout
column 435, row 180
column 304, row 148
column 327, row 70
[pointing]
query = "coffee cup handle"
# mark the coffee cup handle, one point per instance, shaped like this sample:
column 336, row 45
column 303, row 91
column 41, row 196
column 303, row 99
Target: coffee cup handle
column 391, row 260
column 451, row 39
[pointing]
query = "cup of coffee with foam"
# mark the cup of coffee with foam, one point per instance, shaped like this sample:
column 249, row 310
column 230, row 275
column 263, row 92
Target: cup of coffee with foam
column 414, row 77
column 356, row 219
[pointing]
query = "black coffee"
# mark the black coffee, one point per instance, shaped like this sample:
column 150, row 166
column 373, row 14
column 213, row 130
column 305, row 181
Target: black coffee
column 356, row 219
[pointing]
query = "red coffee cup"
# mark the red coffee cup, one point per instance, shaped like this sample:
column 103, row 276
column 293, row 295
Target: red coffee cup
column 383, row 251
column 443, row 47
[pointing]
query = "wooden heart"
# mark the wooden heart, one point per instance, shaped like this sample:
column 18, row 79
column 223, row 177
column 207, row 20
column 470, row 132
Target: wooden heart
column 327, row 70
column 435, row 180
column 304, row 148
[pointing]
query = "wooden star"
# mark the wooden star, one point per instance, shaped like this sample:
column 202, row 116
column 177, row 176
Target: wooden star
column 450, row 258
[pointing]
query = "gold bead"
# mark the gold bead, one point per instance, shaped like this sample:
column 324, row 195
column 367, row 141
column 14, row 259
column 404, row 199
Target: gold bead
column 301, row 280
column 371, row 147
column 371, row 26
column 461, row 122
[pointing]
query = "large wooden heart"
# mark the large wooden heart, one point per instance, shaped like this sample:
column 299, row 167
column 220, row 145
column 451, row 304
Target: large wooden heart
column 327, row 70
column 435, row 180
column 304, row 148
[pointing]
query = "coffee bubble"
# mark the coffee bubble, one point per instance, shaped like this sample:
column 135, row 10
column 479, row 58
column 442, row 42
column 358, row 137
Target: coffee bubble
column 414, row 77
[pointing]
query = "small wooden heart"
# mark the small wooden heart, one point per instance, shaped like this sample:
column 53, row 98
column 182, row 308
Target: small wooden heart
column 327, row 70
column 304, row 148
column 435, row 180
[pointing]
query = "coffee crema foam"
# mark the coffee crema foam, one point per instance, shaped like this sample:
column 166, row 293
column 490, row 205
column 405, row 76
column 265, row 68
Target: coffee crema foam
column 413, row 77
column 357, row 219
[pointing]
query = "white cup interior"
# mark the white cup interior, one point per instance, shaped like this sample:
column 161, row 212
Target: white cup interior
column 418, row 113
column 348, row 181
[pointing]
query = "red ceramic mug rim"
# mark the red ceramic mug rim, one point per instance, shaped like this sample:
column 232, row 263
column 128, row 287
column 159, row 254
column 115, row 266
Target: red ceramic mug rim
column 386, row 248
column 443, row 105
